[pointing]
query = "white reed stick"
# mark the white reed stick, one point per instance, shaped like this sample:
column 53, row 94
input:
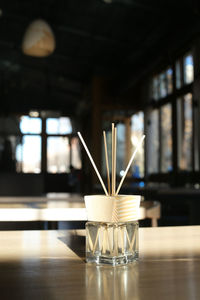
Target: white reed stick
column 122, row 238
column 96, row 240
column 130, row 162
column 128, row 239
column 107, row 164
column 92, row 162
column 113, row 128
column 115, row 157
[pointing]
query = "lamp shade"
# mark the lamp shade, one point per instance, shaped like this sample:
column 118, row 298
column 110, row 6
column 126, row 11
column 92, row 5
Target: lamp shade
column 38, row 39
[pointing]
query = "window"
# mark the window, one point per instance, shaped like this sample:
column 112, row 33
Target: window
column 166, row 138
column 178, row 75
column 169, row 81
column 171, row 118
column 50, row 136
column 58, row 154
column 162, row 84
column 121, row 151
column 30, row 125
column 184, row 70
column 188, row 69
column 159, row 139
column 28, row 152
column 58, row 144
column 155, row 88
column 58, row 126
column 137, row 131
column 153, row 142
column 75, row 153
column 185, row 132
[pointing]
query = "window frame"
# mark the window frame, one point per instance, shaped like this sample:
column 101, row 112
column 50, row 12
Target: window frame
column 173, row 98
column 44, row 136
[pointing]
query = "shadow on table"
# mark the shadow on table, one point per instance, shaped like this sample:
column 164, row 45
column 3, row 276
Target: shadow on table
column 76, row 243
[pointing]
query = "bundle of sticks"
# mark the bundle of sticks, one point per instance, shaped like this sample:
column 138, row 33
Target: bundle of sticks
column 111, row 191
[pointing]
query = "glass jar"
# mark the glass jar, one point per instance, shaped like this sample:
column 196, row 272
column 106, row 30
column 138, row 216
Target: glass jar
column 111, row 243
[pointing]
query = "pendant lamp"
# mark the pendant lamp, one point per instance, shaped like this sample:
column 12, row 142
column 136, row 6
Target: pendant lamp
column 38, row 39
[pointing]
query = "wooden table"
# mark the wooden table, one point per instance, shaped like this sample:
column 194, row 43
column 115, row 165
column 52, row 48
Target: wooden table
column 50, row 265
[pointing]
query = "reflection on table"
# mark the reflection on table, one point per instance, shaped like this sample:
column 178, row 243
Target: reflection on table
column 51, row 265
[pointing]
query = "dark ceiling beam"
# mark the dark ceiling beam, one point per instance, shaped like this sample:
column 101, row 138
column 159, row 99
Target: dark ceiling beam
column 17, row 100
column 60, row 82
column 11, row 58
column 92, row 36
column 61, row 29
column 57, row 65
column 157, row 7
column 66, row 90
column 25, row 107
column 139, row 4
column 39, row 90
column 30, row 87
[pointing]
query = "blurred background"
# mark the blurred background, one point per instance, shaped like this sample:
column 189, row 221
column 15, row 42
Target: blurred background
column 68, row 66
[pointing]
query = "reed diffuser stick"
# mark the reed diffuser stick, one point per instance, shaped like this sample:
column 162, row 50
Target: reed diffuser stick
column 107, row 164
column 130, row 162
column 93, row 163
column 113, row 128
column 115, row 158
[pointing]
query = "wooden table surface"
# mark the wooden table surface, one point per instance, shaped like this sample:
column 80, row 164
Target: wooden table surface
column 50, row 265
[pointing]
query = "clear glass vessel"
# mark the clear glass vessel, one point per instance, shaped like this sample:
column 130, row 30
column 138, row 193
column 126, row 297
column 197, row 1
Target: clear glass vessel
column 111, row 243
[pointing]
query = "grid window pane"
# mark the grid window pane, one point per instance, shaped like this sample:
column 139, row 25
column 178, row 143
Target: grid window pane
column 137, row 128
column 188, row 69
column 30, row 125
column 185, row 132
column 58, row 126
column 153, row 142
column 76, row 155
column 121, row 142
column 166, row 138
column 28, row 154
column 58, row 154
column 163, row 85
column 178, row 75
column 169, row 81
column 155, row 88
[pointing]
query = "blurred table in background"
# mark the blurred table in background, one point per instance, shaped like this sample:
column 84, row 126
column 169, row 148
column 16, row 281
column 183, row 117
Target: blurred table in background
column 52, row 207
column 59, row 207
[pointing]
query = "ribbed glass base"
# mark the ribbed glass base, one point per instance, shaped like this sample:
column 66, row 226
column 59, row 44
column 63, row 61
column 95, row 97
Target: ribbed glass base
column 111, row 243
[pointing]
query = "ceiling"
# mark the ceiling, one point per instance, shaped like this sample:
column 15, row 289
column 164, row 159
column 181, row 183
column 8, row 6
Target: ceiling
column 119, row 39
